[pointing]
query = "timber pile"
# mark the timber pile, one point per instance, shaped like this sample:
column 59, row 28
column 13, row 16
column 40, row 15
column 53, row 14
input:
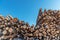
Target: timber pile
column 47, row 27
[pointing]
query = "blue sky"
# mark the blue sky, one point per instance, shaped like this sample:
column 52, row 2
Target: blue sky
column 26, row 10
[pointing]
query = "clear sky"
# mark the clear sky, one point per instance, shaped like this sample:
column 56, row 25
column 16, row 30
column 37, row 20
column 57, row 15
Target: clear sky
column 26, row 10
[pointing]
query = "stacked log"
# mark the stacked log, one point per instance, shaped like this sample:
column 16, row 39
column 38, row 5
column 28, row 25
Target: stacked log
column 47, row 27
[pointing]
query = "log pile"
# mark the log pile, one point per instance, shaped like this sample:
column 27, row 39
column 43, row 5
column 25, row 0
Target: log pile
column 47, row 27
